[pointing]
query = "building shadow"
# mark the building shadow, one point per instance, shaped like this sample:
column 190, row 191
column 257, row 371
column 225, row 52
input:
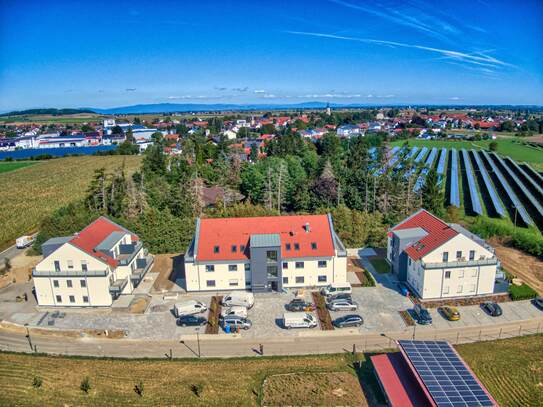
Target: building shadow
column 365, row 373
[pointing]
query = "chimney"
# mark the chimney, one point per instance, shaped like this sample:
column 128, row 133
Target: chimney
column 307, row 229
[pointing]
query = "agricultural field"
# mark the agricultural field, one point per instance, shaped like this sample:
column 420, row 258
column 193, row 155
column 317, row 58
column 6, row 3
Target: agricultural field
column 46, row 118
column 30, row 194
column 7, row 166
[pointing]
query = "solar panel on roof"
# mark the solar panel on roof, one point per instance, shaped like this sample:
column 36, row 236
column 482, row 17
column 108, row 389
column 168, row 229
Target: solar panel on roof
column 444, row 374
column 488, row 184
column 473, row 193
column 455, row 190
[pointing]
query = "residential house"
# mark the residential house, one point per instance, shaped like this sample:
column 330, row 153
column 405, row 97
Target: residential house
column 91, row 268
column 348, row 130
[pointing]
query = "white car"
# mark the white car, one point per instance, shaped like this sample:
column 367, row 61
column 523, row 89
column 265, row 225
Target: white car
column 236, row 310
column 189, row 307
column 342, row 305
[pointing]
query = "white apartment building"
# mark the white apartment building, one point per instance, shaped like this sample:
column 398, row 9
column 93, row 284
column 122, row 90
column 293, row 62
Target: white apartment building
column 438, row 260
column 264, row 254
column 92, row 268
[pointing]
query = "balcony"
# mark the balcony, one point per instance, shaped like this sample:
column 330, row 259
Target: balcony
column 128, row 252
column 69, row 273
column 462, row 263
column 118, row 286
column 143, row 266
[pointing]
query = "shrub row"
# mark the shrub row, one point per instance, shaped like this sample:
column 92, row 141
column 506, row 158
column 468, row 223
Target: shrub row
column 521, row 292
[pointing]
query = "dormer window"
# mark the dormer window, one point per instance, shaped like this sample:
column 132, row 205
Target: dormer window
column 287, row 246
column 234, row 248
column 296, row 246
column 314, row 246
column 216, row 249
column 241, row 248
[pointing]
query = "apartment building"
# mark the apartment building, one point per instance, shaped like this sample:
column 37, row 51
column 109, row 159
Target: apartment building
column 91, row 268
column 264, row 254
column 440, row 260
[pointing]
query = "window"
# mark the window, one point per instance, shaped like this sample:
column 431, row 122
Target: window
column 247, row 283
column 70, row 264
column 285, row 280
column 322, row 279
column 296, row 246
column 287, row 246
column 57, row 265
column 247, row 266
column 83, row 283
column 409, row 260
column 446, row 289
column 216, row 249
column 299, row 280
column 234, row 248
column 59, row 298
column 55, row 283
column 85, row 299
column 299, row 264
column 458, row 254
column 472, row 288
column 447, row 274
column 459, row 289
column 271, row 255
column 313, row 246
column 445, row 257
column 84, row 265
column 232, row 267
column 472, row 254
column 241, row 248
column 285, row 265
column 322, row 264
column 69, row 283
column 233, row 283
column 210, row 283
column 210, row 268
column 272, row 271
column 72, row 299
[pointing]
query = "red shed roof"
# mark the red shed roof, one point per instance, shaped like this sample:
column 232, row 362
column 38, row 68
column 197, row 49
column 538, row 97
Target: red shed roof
column 438, row 233
column 227, row 232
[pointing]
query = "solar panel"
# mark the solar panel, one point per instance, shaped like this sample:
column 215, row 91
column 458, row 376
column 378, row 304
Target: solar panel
column 393, row 155
column 536, row 186
column 537, row 176
column 455, row 190
column 421, row 154
column 510, row 193
column 473, row 192
column 496, row 203
column 444, row 374
column 393, row 151
column 428, row 164
column 441, row 164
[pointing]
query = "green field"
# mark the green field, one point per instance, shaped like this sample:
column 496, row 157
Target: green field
column 7, row 166
column 31, row 193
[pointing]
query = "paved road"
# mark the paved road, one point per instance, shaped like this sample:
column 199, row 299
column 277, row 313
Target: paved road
column 307, row 342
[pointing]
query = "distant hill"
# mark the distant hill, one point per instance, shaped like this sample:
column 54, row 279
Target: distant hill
column 53, row 112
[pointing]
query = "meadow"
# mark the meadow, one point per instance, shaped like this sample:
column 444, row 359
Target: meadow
column 7, row 166
column 31, row 193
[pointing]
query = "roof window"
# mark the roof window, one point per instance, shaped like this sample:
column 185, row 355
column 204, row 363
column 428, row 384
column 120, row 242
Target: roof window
column 216, row 249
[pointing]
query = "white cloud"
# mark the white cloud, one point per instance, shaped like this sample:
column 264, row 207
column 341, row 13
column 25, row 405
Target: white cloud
column 259, row 91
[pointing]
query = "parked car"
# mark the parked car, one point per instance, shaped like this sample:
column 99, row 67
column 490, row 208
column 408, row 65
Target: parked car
column 538, row 302
column 422, row 315
column 342, row 296
column 298, row 320
column 24, row 241
column 191, row 320
column 236, row 310
column 342, row 305
column 491, row 308
column 235, row 323
column 348, row 321
column 240, row 298
column 189, row 307
column 451, row 313
column 299, row 304
column 336, row 288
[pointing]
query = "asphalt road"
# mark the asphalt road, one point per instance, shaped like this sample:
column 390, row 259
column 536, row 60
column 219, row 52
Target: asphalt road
column 307, row 342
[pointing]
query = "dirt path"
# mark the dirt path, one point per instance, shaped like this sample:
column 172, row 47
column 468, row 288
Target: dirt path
column 169, row 267
column 21, row 269
column 520, row 264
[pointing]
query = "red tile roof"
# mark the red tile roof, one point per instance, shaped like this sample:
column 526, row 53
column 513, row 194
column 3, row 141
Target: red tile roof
column 226, row 232
column 94, row 234
column 438, row 233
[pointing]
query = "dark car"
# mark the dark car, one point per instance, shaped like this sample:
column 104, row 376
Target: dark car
column 191, row 320
column 298, row 304
column 492, row 308
column 422, row 315
column 340, row 296
column 538, row 302
column 348, row 320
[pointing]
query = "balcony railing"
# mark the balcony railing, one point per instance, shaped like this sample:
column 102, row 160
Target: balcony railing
column 126, row 258
column 69, row 273
column 143, row 266
column 118, row 286
column 454, row 264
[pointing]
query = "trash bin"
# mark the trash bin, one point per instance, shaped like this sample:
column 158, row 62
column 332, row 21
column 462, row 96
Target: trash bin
column 227, row 329
column 405, row 291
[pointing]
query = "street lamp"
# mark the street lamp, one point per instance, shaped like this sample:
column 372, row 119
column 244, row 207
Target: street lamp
column 198, row 339
column 28, row 336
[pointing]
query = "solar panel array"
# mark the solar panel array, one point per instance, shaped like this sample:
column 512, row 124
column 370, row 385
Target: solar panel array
column 455, row 190
column 536, row 186
column 473, row 192
column 408, row 156
column 427, row 165
column 445, row 376
column 393, row 151
column 537, row 176
column 496, row 204
column 441, row 164
column 422, row 153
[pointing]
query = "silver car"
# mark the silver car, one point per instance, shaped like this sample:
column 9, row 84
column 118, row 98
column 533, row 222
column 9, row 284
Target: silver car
column 236, row 322
column 342, row 305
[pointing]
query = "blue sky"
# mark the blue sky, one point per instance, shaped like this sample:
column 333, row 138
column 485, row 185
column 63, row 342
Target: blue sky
column 110, row 53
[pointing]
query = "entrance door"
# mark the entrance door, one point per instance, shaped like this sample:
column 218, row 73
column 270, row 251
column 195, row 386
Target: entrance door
column 274, row 285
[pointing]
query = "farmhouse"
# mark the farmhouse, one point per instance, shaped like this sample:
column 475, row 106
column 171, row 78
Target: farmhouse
column 439, row 260
column 91, row 268
column 264, row 254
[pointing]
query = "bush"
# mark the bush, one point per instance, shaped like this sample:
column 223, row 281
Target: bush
column 138, row 388
column 37, row 382
column 521, row 292
column 85, row 385
column 197, row 389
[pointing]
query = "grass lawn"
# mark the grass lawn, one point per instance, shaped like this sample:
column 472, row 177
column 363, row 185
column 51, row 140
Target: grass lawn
column 30, row 194
column 380, row 265
column 6, row 166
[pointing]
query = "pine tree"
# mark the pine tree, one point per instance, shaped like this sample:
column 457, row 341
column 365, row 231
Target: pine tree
column 432, row 194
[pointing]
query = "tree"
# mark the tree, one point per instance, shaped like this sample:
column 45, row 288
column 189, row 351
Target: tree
column 507, row 125
column 267, row 128
column 86, row 128
column 325, row 188
column 253, row 155
column 37, row 382
column 117, row 130
column 493, row 146
column 154, row 162
column 432, row 194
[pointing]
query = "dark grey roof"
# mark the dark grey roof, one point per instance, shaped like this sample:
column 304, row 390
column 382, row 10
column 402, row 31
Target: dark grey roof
column 410, row 233
column 110, row 241
column 53, row 244
column 265, row 240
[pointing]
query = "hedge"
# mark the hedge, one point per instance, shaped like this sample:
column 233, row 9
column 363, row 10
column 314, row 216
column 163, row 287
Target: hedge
column 521, row 292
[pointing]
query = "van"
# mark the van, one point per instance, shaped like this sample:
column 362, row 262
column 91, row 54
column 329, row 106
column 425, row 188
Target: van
column 299, row 320
column 24, row 241
column 236, row 310
column 189, row 307
column 242, row 299
column 336, row 288
column 234, row 323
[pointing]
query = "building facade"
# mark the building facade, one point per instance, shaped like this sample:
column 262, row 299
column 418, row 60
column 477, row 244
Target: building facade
column 92, row 268
column 264, row 254
column 438, row 260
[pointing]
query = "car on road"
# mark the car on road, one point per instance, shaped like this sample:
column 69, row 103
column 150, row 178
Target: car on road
column 351, row 320
column 422, row 315
column 538, row 302
column 191, row 320
column 451, row 313
column 343, row 296
column 342, row 305
column 234, row 323
column 491, row 308
column 299, row 304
